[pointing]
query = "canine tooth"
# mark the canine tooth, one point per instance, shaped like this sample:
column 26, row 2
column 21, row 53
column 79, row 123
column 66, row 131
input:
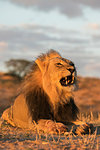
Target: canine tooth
column 68, row 81
column 72, row 81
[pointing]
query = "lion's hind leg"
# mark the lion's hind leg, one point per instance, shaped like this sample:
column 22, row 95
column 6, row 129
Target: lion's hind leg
column 7, row 115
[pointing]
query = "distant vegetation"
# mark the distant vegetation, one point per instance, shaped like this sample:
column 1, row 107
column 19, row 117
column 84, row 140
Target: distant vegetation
column 17, row 67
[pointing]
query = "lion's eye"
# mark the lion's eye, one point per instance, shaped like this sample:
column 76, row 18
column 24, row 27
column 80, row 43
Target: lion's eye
column 58, row 64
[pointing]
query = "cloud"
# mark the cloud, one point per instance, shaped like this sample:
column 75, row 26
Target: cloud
column 29, row 40
column 33, row 36
column 3, row 46
column 71, row 8
column 96, row 38
column 93, row 26
column 18, row 37
column 90, row 3
column 93, row 69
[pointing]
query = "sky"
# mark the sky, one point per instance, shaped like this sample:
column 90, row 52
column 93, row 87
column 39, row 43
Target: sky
column 71, row 27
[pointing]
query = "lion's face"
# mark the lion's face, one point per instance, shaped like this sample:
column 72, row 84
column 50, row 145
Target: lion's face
column 59, row 73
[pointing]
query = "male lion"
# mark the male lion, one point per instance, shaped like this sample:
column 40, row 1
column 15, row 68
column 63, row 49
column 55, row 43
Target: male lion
column 46, row 99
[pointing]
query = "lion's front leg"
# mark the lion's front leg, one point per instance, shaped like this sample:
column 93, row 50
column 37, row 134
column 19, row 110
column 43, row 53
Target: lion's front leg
column 50, row 126
column 81, row 127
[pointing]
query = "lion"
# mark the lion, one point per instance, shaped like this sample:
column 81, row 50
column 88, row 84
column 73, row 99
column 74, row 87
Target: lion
column 46, row 100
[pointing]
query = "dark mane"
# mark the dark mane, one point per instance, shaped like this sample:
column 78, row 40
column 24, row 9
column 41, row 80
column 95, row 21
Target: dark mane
column 38, row 104
column 38, row 101
column 68, row 111
column 36, row 98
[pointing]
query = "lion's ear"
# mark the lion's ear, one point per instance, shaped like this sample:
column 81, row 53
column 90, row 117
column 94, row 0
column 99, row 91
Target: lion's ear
column 41, row 64
column 43, row 59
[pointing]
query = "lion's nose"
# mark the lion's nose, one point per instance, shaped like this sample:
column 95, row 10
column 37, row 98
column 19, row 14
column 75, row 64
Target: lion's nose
column 71, row 70
column 71, row 63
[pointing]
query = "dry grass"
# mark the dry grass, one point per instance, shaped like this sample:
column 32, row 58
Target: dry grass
column 87, row 97
column 15, row 138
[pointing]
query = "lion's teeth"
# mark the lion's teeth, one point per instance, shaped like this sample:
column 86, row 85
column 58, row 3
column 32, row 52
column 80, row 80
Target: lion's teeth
column 72, row 81
column 73, row 78
column 68, row 81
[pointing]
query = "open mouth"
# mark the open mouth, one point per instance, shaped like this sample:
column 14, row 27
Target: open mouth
column 68, row 80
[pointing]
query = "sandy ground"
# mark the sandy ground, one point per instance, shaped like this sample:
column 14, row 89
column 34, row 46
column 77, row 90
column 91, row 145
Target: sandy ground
column 18, row 139
column 88, row 100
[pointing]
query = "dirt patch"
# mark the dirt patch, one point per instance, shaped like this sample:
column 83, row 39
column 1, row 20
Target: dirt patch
column 88, row 100
column 87, row 97
column 15, row 138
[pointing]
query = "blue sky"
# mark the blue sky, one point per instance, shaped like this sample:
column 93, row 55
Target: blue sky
column 72, row 27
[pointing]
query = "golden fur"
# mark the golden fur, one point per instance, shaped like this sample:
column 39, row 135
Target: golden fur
column 46, row 96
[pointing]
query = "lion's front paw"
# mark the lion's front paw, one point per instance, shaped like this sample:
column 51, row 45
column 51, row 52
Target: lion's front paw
column 51, row 127
column 54, row 127
column 84, row 129
column 61, row 128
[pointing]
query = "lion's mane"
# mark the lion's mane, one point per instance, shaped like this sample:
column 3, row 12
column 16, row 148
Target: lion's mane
column 39, row 103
